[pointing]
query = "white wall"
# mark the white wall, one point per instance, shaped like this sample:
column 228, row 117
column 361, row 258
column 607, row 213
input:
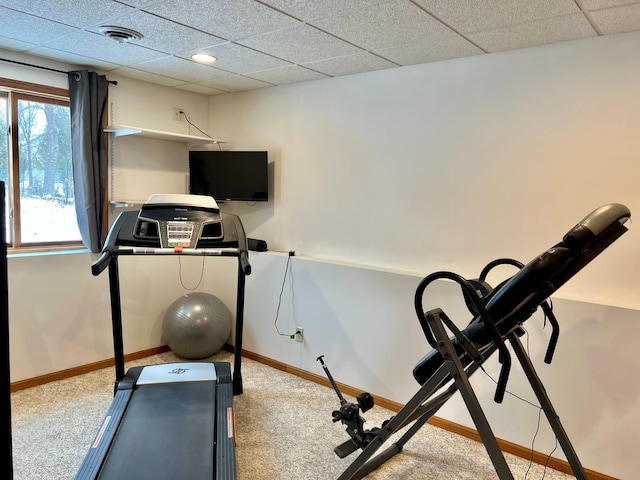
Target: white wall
column 449, row 166
column 364, row 324
column 60, row 315
column 142, row 166
column 34, row 75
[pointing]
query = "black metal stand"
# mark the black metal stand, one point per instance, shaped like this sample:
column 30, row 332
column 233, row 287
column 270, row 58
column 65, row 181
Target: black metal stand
column 424, row 405
column 461, row 379
column 237, row 358
column 7, row 458
column 547, row 408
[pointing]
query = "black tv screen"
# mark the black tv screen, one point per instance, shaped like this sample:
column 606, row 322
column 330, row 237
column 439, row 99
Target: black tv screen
column 229, row 175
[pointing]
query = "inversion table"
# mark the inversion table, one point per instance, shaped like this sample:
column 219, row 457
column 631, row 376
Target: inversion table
column 498, row 315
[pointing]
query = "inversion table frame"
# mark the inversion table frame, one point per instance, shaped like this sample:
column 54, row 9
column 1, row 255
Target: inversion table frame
column 498, row 316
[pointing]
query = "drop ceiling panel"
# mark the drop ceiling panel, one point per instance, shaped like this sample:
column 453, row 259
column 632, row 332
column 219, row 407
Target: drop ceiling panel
column 163, row 35
column 470, row 16
column 189, row 71
column 39, row 29
column 286, row 75
column 239, row 59
column 540, row 32
column 231, row 20
column 12, row 44
column 71, row 12
column 435, row 50
column 74, row 59
column 300, row 44
column 202, row 89
column 93, row 45
column 598, row 4
column 148, row 77
column 618, row 20
column 357, row 63
column 236, row 83
column 384, row 25
column 314, row 10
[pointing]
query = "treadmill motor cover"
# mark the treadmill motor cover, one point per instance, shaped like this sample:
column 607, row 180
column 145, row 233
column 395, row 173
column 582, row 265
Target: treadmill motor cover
column 177, row 372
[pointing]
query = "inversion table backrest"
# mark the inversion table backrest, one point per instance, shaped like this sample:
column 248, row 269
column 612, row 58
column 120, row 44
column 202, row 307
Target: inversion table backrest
column 513, row 302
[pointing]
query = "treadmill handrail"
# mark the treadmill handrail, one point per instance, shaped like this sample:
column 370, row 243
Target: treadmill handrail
column 102, row 262
column 105, row 258
column 244, row 262
column 112, row 247
column 224, row 251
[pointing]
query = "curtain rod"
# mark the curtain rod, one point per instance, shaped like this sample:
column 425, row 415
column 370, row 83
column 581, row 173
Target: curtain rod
column 112, row 82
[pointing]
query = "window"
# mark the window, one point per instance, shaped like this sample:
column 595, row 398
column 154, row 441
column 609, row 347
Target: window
column 35, row 164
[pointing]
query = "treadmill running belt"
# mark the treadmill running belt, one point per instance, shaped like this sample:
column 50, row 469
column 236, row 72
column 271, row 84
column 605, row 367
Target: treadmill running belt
column 167, row 432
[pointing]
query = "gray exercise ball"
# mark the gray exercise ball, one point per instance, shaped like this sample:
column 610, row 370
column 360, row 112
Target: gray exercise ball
column 196, row 325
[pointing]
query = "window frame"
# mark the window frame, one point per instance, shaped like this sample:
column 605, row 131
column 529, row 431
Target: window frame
column 16, row 90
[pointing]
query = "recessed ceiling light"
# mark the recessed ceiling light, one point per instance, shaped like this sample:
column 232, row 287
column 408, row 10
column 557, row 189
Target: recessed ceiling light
column 120, row 34
column 203, row 58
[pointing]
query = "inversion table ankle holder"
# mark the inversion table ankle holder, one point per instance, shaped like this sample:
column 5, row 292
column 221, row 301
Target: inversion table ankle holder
column 498, row 315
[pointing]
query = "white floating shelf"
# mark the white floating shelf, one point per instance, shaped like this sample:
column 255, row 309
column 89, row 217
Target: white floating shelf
column 123, row 130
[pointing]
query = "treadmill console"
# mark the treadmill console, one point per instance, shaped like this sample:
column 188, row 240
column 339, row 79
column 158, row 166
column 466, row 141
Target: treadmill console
column 179, row 221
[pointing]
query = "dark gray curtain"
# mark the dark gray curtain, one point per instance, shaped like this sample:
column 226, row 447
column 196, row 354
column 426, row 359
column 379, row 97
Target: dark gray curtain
column 88, row 94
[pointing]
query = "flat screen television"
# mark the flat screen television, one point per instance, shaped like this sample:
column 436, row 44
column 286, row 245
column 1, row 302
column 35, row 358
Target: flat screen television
column 229, row 175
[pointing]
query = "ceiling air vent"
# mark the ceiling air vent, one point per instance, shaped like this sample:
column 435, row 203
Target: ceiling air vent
column 120, row 34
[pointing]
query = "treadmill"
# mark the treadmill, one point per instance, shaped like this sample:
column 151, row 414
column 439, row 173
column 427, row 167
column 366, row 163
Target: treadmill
column 172, row 420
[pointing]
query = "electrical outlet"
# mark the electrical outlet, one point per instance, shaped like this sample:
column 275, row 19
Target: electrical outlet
column 299, row 334
column 178, row 114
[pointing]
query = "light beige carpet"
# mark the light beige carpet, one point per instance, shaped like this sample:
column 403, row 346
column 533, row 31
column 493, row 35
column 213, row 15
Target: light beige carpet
column 283, row 426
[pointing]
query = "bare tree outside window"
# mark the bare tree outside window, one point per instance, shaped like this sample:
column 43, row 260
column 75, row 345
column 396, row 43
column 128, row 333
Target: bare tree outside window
column 35, row 164
column 47, row 209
